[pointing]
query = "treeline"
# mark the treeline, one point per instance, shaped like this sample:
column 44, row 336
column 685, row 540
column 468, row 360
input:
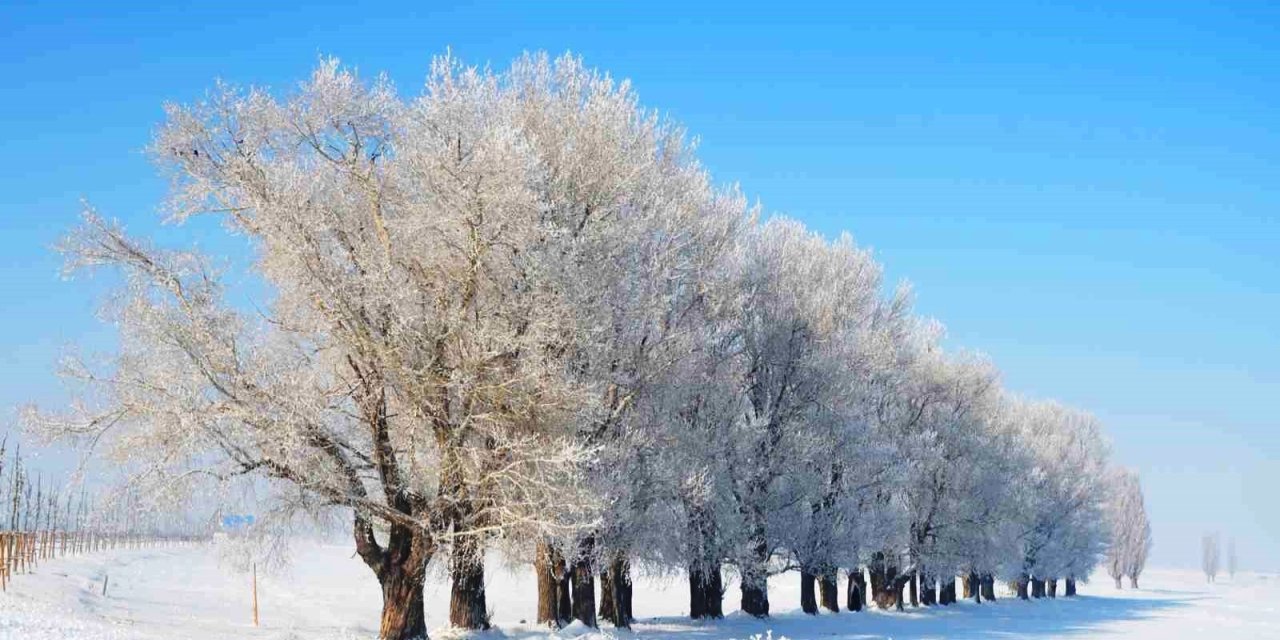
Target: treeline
column 514, row 312
column 43, row 520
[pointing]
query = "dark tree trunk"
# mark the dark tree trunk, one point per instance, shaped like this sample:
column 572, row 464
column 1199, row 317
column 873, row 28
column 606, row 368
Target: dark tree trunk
column 928, row 590
column 755, row 597
column 715, row 592
column 1133, row 581
column 584, row 593
column 1071, row 588
column 754, row 575
column 829, row 591
column 706, row 587
column 1052, row 586
column 467, row 608
column 1119, row 584
column 565, row 589
column 606, row 596
column 988, row 584
column 1020, row 586
column 1037, row 587
column 913, row 589
column 886, row 584
column 857, row 598
column 584, row 585
column 948, row 591
column 553, row 586
column 697, row 592
column 973, row 587
column 615, row 592
column 808, row 600
column 706, row 593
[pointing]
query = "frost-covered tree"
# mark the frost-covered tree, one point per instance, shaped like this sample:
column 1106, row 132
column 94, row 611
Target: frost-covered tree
column 637, row 231
column 1064, row 493
column 989, row 536
column 944, row 435
column 1210, row 552
column 801, row 307
column 1130, row 529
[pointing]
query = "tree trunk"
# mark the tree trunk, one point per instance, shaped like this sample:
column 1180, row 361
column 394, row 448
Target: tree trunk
column 606, row 596
column 1119, row 584
column 886, row 591
column 928, row 590
column 467, row 609
column 1037, row 587
column 966, row 586
column 697, row 592
column 808, row 601
column 988, row 587
column 829, row 590
column 755, row 596
column 401, row 568
column 913, row 588
column 948, row 591
column 886, row 584
column 1020, row 586
column 615, row 592
column 565, row 588
column 403, row 617
column 754, row 575
column 553, row 586
column 1133, row 581
column 973, row 587
column 584, row 593
column 715, row 592
column 706, row 587
column 857, row 598
column 1071, row 588
column 706, row 593
column 584, row 585
column 1052, row 585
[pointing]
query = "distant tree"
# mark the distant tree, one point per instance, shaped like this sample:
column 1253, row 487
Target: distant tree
column 1210, row 551
column 1130, row 530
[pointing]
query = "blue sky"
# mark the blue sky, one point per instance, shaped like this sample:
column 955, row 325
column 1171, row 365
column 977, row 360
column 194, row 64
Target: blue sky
column 1087, row 193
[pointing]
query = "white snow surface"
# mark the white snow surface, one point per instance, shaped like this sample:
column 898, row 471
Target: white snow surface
column 328, row 594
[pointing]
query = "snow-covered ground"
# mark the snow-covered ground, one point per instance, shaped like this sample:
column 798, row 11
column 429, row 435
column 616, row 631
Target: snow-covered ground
column 329, row 595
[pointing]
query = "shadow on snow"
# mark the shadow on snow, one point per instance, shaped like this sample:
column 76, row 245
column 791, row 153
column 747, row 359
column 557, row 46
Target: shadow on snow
column 1006, row 618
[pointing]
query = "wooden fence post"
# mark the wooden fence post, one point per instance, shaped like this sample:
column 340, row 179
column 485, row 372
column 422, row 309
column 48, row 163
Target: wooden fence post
column 255, row 594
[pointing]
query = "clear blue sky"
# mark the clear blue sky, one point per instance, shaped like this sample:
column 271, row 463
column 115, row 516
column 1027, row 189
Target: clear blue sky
column 1086, row 193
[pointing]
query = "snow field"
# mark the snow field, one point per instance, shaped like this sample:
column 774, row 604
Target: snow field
column 328, row 594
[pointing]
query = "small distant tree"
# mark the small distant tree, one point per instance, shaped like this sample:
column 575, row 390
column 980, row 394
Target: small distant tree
column 1210, row 553
column 1130, row 530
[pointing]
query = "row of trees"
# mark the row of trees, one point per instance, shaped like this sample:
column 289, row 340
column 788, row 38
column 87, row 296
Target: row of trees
column 42, row 521
column 1211, row 556
column 515, row 313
